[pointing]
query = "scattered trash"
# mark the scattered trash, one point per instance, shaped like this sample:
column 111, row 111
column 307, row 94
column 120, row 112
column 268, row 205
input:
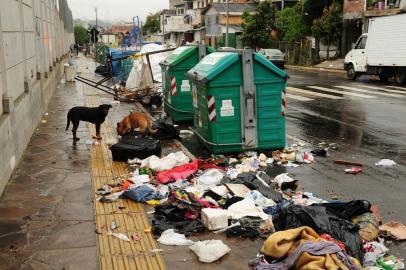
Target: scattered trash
column 46, row 114
column 353, row 170
column 43, row 121
column 135, row 237
column 385, row 163
column 168, row 162
column 156, row 250
column 171, row 238
column 214, row 219
column 210, row 250
column 322, row 152
column 119, row 236
column 351, row 163
column 393, row 230
column 113, row 225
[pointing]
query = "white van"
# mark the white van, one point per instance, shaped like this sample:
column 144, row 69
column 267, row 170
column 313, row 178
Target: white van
column 381, row 52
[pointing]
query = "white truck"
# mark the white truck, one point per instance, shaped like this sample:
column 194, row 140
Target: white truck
column 382, row 51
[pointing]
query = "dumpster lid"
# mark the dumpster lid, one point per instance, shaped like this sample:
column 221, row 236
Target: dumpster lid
column 211, row 65
column 178, row 55
column 215, row 63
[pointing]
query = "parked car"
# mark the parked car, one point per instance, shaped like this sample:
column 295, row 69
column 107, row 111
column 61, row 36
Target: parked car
column 275, row 56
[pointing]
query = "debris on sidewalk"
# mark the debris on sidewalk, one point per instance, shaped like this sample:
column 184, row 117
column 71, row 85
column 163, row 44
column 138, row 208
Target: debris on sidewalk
column 210, row 250
column 394, row 230
column 120, row 236
column 353, row 170
column 235, row 196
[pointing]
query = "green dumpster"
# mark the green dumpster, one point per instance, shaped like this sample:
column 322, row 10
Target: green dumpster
column 239, row 102
column 176, row 86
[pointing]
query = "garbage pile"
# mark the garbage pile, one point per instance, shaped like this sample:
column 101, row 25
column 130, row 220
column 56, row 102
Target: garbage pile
column 235, row 196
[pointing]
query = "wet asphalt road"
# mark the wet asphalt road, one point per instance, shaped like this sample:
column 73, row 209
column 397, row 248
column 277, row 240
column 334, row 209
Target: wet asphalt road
column 366, row 119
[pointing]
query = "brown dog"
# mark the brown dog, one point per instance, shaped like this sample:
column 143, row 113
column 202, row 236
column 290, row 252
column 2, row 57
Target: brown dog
column 135, row 121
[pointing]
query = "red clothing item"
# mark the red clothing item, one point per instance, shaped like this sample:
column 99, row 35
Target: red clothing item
column 178, row 173
column 204, row 165
column 327, row 237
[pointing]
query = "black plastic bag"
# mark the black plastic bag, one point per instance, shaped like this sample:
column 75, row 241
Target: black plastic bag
column 318, row 218
column 165, row 129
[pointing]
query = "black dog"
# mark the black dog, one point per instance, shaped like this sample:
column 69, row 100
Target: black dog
column 95, row 115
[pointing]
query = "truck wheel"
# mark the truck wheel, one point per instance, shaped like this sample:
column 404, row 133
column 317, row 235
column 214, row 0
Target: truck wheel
column 351, row 74
column 400, row 76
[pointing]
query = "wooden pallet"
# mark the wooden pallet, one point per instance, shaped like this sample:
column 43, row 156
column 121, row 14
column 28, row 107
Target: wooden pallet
column 114, row 253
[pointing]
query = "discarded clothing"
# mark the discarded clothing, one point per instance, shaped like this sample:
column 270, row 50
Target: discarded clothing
column 394, row 229
column 210, row 178
column 305, row 250
column 259, row 199
column 331, row 239
column 251, row 227
column 185, row 227
column 142, row 194
column 166, row 163
column 178, row 173
column 309, row 256
column 322, row 221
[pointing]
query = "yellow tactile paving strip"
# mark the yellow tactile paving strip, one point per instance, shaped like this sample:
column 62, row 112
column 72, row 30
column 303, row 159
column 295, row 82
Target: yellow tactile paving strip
column 116, row 254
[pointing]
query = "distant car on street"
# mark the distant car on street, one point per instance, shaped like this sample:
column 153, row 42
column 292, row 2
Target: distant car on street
column 275, row 56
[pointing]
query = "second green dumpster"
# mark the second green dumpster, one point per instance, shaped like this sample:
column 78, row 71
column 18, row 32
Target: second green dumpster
column 176, row 86
column 239, row 102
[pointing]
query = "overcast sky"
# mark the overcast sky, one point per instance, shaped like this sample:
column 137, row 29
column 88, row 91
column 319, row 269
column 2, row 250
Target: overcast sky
column 115, row 10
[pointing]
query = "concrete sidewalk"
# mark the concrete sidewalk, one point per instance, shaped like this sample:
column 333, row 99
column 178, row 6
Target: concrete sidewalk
column 46, row 210
column 334, row 66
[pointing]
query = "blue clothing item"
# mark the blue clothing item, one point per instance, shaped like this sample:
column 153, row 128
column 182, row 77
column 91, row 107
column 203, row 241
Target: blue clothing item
column 142, row 193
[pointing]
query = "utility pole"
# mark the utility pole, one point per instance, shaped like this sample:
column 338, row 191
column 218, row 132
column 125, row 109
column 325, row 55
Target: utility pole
column 94, row 35
column 163, row 27
column 227, row 9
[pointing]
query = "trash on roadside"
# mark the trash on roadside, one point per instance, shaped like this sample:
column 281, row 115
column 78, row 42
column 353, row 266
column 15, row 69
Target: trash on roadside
column 214, row 219
column 113, row 225
column 394, row 230
column 385, row 163
column 347, row 162
column 210, row 250
column 120, row 236
column 321, row 152
column 171, row 238
column 353, row 170
column 135, row 237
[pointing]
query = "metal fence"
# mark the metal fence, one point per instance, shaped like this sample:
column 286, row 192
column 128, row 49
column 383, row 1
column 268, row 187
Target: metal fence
column 297, row 53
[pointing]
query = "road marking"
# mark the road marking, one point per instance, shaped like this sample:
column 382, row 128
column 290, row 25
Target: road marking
column 340, row 92
column 300, row 98
column 367, row 91
column 397, row 87
column 302, row 91
column 383, row 89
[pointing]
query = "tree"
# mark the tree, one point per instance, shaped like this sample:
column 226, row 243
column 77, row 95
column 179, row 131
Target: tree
column 81, row 35
column 152, row 24
column 328, row 26
column 291, row 24
column 257, row 27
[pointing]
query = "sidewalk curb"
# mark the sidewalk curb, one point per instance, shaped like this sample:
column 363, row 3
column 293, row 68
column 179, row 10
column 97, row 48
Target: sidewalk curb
column 332, row 70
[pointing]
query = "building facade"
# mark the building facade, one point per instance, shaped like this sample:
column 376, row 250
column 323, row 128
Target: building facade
column 35, row 39
column 185, row 20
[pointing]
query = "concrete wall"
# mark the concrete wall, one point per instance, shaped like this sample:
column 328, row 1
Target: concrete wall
column 33, row 43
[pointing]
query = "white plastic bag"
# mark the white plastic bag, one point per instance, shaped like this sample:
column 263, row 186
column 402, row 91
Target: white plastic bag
column 385, row 163
column 166, row 163
column 211, row 178
column 245, row 208
column 283, row 178
column 171, row 238
column 259, row 199
column 210, row 250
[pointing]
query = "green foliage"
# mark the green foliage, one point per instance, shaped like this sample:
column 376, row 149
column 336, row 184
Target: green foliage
column 328, row 26
column 81, row 35
column 291, row 24
column 152, row 25
column 257, row 27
